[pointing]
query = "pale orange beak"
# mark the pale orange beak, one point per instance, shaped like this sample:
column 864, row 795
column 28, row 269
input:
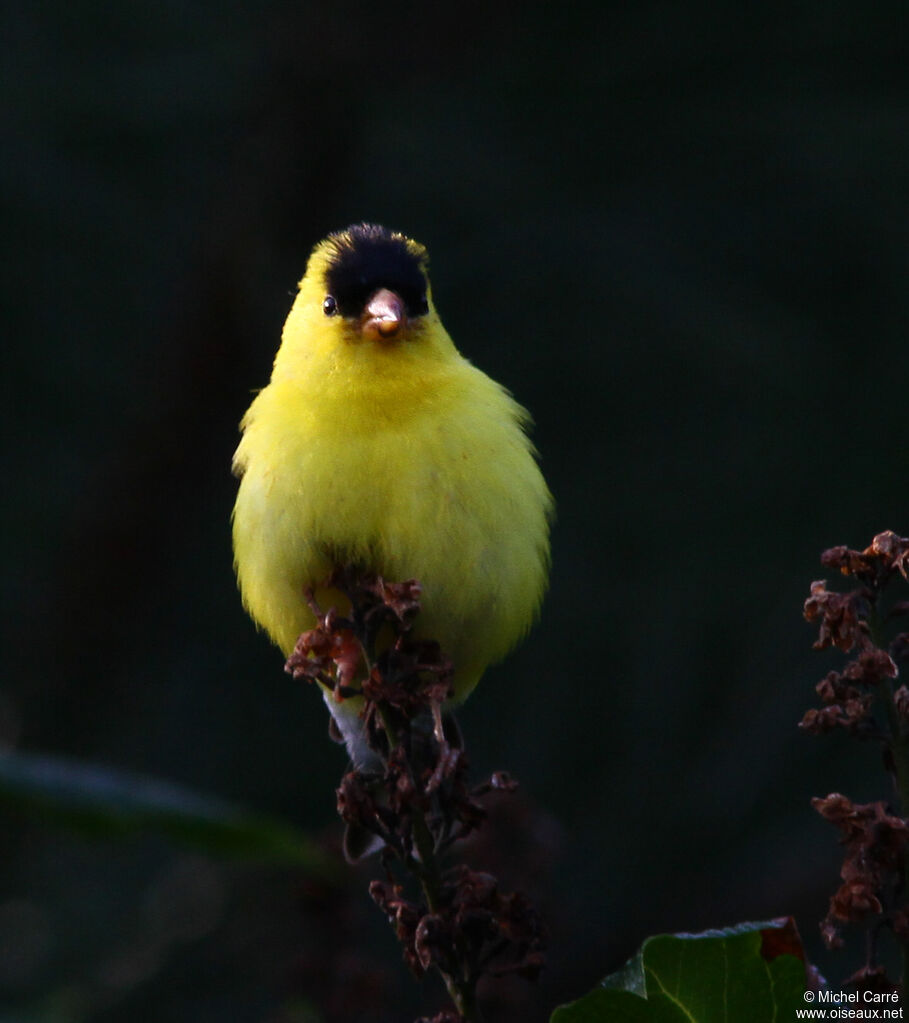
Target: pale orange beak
column 384, row 317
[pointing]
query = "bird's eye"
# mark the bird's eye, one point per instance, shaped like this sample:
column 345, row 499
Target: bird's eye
column 330, row 305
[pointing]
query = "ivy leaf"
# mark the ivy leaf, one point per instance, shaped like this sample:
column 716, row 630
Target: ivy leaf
column 754, row 971
column 108, row 803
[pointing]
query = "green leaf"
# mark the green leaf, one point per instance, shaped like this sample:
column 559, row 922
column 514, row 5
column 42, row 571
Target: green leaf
column 755, row 971
column 107, row 803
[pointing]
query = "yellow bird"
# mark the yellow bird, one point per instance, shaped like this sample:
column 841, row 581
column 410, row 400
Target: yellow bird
column 377, row 443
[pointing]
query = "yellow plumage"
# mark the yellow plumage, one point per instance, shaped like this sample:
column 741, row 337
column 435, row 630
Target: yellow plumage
column 376, row 443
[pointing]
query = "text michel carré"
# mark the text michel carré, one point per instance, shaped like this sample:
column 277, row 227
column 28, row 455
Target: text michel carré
column 842, row 997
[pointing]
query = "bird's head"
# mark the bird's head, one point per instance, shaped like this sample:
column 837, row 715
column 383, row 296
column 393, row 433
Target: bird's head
column 366, row 297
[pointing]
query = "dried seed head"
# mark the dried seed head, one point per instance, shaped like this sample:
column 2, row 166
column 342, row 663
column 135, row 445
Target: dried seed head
column 420, row 802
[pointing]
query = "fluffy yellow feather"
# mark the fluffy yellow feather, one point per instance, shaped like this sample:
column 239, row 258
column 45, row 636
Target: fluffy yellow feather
column 376, row 443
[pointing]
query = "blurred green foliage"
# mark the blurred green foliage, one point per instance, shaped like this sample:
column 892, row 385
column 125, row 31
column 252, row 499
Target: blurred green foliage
column 113, row 804
column 679, row 233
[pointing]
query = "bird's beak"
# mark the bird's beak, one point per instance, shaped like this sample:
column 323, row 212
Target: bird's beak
column 384, row 317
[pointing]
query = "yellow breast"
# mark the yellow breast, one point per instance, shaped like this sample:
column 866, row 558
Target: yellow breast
column 412, row 468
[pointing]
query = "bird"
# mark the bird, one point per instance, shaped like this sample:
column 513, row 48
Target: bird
column 377, row 443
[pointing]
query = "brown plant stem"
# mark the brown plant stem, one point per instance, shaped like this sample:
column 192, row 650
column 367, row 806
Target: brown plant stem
column 413, row 801
column 866, row 699
column 428, row 874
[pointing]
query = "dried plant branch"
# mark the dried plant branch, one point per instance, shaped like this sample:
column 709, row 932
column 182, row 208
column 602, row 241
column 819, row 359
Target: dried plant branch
column 418, row 802
column 867, row 700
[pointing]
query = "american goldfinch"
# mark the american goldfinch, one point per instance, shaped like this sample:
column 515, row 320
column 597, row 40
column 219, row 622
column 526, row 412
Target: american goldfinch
column 378, row 444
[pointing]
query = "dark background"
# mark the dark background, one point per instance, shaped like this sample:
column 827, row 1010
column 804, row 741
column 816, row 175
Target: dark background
column 679, row 234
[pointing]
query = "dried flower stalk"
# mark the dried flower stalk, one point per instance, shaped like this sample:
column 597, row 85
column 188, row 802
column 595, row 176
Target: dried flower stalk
column 868, row 701
column 417, row 803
